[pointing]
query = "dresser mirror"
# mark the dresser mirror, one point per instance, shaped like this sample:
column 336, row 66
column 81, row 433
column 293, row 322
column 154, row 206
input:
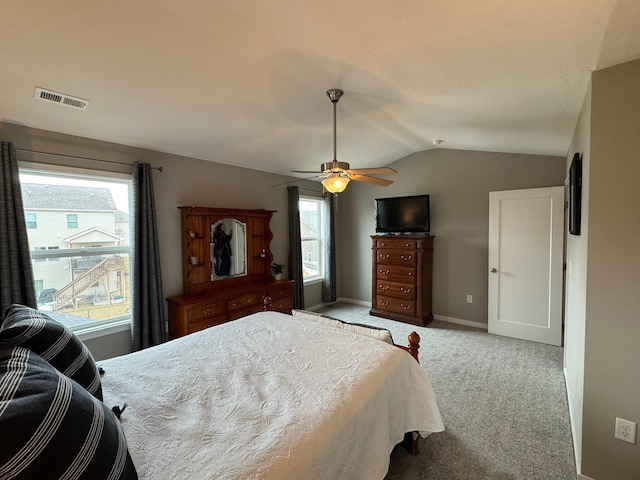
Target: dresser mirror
column 224, row 248
column 228, row 249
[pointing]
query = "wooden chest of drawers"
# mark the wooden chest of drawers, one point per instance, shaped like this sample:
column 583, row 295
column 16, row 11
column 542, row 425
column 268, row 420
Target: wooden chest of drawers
column 188, row 314
column 401, row 278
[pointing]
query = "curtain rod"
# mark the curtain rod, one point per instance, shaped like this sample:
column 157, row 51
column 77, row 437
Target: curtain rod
column 160, row 169
column 311, row 191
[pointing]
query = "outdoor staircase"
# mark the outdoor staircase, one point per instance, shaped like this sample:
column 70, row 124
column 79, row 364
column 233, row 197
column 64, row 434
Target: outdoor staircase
column 71, row 291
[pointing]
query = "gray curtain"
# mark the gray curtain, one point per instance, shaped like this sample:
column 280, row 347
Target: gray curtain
column 16, row 272
column 329, row 243
column 149, row 325
column 295, row 247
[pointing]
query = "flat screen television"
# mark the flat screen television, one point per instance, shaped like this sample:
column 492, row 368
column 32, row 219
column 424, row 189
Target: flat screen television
column 402, row 214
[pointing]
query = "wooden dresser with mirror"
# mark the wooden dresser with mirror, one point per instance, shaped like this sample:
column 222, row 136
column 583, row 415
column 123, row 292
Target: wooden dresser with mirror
column 226, row 274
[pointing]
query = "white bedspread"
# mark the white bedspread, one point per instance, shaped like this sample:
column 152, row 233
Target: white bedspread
column 269, row 396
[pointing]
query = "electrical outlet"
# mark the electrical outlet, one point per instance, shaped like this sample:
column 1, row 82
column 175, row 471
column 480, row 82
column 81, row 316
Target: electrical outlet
column 625, row 430
column 469, row 298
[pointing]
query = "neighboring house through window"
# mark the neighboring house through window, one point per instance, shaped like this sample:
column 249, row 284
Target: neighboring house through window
column 81, row 260
column 311, row 212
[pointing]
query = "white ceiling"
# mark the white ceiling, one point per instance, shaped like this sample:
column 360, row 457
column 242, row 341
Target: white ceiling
column 243, row 81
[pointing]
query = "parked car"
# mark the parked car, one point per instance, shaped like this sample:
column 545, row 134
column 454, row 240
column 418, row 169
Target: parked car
column 45, row 299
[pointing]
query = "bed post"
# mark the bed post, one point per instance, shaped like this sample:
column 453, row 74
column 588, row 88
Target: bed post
column 412, row 439
column 267, row 303
column 414, row 345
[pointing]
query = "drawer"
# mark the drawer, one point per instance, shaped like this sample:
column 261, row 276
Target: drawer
column 396, row 257
column 247, row 300
column 390, row 304
column 279, row 291
column 204, row 323
column 205, row 312
column 396, row 274
column 396, row 290
column 396, row 243
column 244, row 311
column 284, row 304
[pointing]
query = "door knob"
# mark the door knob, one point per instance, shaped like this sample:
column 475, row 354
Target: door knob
column 493, row 270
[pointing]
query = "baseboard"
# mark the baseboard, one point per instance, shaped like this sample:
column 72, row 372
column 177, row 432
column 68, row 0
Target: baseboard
column 354, row 301
column 573, row 431
column 340, row 299
column 317, row 307
column 459, row 321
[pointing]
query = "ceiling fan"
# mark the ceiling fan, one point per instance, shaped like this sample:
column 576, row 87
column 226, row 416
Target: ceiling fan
column 337, row 175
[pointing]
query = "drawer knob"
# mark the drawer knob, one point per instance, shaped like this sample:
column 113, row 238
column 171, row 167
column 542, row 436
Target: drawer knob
column 384, row 304
column 405, row 307
column 384, row 287
column 405, row 290
column 384, row 257
column 407, row 258
column 384, row 272
column 207, row 312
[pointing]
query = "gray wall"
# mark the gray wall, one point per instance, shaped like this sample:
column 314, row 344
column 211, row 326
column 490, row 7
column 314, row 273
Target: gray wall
column 109, row 346
column 185, row 181
column 612, row 350
column 576, row 284
column 458, row 183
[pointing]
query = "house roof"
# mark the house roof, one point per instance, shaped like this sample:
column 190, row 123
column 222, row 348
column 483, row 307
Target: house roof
column 92, row 234
column 37, row 196
column 244, row 82
column 308, row 220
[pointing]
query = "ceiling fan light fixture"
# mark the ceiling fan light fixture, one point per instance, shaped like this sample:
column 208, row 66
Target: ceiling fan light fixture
column 335, row 183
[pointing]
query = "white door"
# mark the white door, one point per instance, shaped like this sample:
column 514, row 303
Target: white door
column 526, row 232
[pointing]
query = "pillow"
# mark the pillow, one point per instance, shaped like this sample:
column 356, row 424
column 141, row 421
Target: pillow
column 54, row 342
column 316, row 317
column 367, row 330
column 52, row 427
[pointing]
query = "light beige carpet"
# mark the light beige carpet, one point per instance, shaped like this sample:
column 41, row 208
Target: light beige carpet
column 503, row 402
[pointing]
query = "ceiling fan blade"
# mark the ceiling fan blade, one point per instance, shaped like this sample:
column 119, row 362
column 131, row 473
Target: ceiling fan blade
column 298, row 180
column 372, row 171
column 376, row 181
column 307, row 171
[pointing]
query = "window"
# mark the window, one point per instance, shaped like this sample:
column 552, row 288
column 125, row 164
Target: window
column 82, row 274
column 72, row 220
column 32, row 220
column 311, row 211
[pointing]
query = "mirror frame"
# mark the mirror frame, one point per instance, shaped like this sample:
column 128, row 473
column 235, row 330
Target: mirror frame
column 196, row 223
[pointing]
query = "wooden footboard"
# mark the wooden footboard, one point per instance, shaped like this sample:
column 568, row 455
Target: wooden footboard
column 414, row 345
column 412, row 439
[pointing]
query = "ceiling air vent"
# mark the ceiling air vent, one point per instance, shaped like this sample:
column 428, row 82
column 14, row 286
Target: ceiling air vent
column 60, row 98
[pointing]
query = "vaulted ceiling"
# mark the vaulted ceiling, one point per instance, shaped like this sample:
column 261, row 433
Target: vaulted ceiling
column 243, row 82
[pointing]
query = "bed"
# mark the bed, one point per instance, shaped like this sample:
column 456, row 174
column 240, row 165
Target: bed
column 269, row 396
